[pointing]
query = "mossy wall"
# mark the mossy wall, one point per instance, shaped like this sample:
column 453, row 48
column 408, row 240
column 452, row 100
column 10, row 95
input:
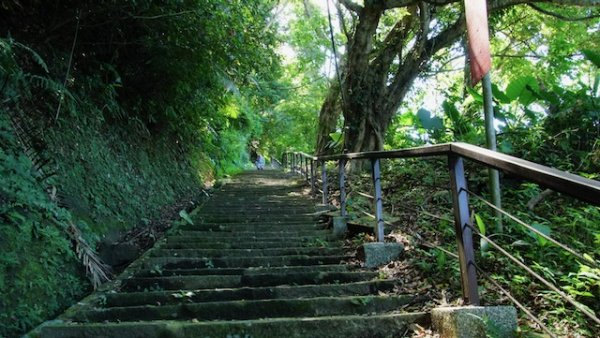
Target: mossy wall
column 109, row 178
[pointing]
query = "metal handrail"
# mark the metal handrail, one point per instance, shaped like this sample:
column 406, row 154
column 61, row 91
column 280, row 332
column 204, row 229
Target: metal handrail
column 574, row 185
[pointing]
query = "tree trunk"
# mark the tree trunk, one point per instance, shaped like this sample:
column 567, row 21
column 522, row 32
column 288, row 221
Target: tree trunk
column 328, row 118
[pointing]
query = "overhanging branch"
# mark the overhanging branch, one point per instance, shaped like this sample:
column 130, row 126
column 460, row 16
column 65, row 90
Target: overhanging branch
column 562, row 17
column 351, row 5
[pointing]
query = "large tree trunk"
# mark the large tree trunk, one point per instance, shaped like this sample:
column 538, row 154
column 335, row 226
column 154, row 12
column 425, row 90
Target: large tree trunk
column 328, row 118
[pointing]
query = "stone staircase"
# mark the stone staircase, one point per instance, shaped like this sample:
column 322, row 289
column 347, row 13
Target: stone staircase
column 255, row 263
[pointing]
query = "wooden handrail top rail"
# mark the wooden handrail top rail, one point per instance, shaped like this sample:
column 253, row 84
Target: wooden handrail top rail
column 312, row 157
column 574, row 185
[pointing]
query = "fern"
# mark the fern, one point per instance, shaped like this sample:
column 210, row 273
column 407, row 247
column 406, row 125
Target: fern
column 96, row 270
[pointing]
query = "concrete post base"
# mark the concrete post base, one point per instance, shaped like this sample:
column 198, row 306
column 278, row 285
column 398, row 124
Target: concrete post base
column 475, row 321
column 377, row 254
column 340, row 227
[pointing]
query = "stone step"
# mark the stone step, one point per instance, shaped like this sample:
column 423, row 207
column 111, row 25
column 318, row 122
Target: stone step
column 258, row 198
column 234, row 218
column 238, row 281
column 257, row 209
column 162, row 297
column 250, row 309
column 255, row 263
column 219, row 253
column 316, row 240
column 246, row 271
column 256, row 235
column 174, row 244
column 240, row 262
column 355, row 326
column 233, row 227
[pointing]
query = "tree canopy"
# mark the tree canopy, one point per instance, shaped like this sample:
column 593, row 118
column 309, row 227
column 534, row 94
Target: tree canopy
column 392, row 44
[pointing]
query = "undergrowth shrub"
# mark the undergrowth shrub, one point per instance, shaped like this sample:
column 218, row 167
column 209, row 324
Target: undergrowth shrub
column 39, row 273
column 113, row 176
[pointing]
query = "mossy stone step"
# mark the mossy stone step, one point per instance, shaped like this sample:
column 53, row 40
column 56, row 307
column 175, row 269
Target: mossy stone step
column 255, row 263
column 316, row 240
column 254, row 233
column 250, row 309
column 162, row 297
column 240, row 262
column 192, row 282
column 246, row 271
column 181, row 282
column 170, row 244
column 252, row 202
column 218, row 253
column 233, row 218
column 257, row 210
column 373, row 326
column 235, row 227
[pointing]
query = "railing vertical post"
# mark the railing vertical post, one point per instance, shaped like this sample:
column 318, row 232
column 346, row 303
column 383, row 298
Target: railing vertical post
column 342, row 165
column 376, row 171
column 464, row 234
column 313, row 189
column 306, row 168
column 324, row 179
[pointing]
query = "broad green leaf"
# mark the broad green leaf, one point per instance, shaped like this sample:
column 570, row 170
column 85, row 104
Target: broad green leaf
column 478, row 97
column 482, row 228
column 515, row 89
column 407, row 119
column 544, row 229
column 183, row 214
column 428, row 122
column 441, row 259
column 451, row 111
column 592, row 56
column 500, row 95
column 336, row 137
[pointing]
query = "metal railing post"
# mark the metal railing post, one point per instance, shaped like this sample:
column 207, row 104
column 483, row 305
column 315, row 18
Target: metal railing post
column 376, row 171
column 342, row 167
column 306, row 168
column 313, row 189
column 324, row 179
column 464, row 234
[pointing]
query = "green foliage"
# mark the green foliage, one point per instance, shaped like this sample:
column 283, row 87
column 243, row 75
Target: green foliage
column 37, row 261
column 303, row 85
column 161, row 98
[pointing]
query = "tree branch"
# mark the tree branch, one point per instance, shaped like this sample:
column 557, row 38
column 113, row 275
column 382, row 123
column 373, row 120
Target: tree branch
column 353, row 6
column 500, row 4
column 563, row 17
column 342, row 22
column 389, row 4
column 154, row 17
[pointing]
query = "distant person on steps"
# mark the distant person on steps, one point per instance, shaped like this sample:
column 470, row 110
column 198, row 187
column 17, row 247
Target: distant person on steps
column 260, row 162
